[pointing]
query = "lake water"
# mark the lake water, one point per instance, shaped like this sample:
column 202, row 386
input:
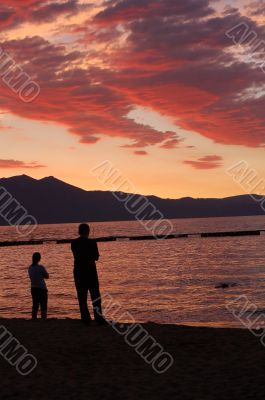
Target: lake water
column 171, row 281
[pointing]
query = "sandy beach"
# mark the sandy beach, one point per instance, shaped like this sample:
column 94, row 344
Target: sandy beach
column 94, row 362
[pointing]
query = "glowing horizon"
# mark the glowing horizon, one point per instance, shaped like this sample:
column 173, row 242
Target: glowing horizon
column 157, row 88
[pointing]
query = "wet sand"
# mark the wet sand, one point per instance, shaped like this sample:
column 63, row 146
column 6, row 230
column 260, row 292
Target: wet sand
column 94, row 362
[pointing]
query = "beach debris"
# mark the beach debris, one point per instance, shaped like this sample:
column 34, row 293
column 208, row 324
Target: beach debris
column 225, row 285
column 254, row 312
column 233, row 233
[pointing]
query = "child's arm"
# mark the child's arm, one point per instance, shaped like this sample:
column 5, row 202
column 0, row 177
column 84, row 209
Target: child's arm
column 45, row 273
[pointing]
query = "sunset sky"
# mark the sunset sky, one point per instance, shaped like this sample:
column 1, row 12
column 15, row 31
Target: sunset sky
column 154, row 86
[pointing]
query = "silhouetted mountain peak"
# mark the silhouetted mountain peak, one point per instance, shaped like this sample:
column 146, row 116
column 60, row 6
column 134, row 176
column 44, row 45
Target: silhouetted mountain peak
column 51, row 200
column 46, row 178
column 50, row 179
column 18, row 180
column 55, row 184
column 22, row 177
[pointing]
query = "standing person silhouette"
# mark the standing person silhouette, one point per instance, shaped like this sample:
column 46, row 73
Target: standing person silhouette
column 85, row 252
column 38, row 274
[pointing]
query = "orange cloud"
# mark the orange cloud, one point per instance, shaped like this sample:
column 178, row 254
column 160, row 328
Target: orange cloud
column 15, row 164
column 207, row 162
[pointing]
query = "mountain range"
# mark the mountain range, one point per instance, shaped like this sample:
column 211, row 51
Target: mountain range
column 51, row 200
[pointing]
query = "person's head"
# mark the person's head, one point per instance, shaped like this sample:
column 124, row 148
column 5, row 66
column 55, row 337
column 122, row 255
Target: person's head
column 36, row 258
column 84, row 230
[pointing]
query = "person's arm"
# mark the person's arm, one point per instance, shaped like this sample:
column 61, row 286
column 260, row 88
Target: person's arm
column 45, row 273
column 97, row 255
column 72, row 247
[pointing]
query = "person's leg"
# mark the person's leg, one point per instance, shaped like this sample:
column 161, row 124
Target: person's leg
column 35, row 302
column 96, row 301
column 82, row 291
column 43, row 303
column 95, row 296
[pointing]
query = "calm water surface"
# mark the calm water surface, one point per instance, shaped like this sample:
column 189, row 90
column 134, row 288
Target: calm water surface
column 170, row 281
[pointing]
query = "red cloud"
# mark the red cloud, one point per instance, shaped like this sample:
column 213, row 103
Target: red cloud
column 10, row 164
column 16, row 12
column 207, row 162
column 193, row 79
column 120, row 11
column 178, row 66
column 256, row 8
column 73, row 98
column 140, row 153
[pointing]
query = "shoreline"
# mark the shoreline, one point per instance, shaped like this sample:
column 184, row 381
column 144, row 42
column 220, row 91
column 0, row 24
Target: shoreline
column 94, row 362
column 195, row 325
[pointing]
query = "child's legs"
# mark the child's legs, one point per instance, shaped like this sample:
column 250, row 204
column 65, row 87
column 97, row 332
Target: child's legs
column 35, row 302
column 43, row 303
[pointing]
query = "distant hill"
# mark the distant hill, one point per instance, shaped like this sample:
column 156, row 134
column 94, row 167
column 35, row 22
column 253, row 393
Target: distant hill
column 50, row 200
